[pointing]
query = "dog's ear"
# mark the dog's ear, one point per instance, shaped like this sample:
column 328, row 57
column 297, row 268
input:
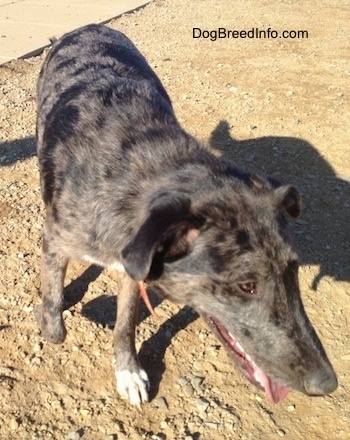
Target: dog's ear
column 170, row 230
column 288, row 198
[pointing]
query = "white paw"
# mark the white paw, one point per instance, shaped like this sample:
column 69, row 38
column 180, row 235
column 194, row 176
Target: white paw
column 133, row 386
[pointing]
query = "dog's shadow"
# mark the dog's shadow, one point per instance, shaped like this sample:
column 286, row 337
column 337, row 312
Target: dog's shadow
column 322, row 233
column 17, row 150
column 103, row 309
column 153, row 350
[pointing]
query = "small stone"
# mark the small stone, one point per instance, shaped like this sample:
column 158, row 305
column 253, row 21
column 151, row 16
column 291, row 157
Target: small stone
column 161, row 403
column 74, row 435
column 110, row 437
column 211, row 425
column 183, row 381
column 281, row 433
column 202, row 404
column 197, row 382
column 61, row 388
column 85, row 412
column 229, row 426
column 291, row 408
column 37, row 348
column 118, row 425
column 202, row 336
column 192, row 426
column 13, row 424
column 212, row 348
column 56, row 404
column 158, row 437
column 6, row 371
column 188, row 389
column 36, row 361
column 163, row 424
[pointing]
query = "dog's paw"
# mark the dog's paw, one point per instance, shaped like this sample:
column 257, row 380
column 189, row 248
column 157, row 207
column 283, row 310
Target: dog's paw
column 53, row 330
column 133, row 385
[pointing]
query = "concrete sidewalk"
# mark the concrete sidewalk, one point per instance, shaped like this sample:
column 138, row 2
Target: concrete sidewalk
column 27, row 25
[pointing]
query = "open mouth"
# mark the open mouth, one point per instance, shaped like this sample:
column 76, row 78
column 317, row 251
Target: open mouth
column 274, row 390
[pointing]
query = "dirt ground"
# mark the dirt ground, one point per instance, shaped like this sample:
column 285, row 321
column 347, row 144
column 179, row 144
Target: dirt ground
column 276, row 106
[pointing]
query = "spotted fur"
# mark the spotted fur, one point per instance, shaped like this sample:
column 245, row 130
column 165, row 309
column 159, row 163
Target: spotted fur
column 125, row 186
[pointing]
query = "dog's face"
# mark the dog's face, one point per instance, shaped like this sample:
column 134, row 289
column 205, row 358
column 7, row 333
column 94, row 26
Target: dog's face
column 229, row 258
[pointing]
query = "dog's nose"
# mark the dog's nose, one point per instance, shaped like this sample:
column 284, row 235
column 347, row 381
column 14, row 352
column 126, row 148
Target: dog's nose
column 321, row 382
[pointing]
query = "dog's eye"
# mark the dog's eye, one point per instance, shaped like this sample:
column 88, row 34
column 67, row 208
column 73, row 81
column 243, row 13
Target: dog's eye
column 248, row 287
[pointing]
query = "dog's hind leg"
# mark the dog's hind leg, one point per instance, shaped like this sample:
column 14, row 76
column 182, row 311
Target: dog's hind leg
column 53, row 270
column 132, row 380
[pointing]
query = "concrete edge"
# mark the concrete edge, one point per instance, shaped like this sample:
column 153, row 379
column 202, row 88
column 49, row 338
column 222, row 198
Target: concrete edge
column 39, row 51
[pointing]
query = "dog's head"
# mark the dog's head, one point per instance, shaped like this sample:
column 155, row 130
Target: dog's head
column 227, row 254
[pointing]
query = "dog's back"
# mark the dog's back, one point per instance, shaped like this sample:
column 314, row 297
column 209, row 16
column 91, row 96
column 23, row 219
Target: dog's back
column 95, row 87
column 94, row 55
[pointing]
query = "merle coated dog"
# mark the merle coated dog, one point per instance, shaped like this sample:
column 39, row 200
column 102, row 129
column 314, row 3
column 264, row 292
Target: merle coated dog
column 126, row 187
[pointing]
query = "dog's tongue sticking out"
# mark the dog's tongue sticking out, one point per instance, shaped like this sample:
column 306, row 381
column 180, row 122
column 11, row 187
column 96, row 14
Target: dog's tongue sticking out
column 256, row 375
column 274, row 391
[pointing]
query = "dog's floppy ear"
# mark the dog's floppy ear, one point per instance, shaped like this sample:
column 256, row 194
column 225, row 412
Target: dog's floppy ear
column 288, row 198
column 169, row 229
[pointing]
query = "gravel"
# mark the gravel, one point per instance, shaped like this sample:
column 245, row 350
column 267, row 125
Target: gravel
column 274, row 106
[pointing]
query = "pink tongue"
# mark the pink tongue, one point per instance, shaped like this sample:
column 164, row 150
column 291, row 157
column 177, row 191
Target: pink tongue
column 275, row 392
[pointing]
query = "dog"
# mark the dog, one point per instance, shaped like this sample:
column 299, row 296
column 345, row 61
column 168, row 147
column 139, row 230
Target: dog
column 126, row 187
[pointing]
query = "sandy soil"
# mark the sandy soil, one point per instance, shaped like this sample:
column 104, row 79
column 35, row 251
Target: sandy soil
column 277, row 106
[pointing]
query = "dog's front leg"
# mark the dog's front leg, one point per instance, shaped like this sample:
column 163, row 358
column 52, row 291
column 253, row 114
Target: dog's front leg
column 132, row 380
column 53, row 270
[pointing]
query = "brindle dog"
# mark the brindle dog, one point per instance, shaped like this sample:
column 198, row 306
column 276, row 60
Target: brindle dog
column 126, row 187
